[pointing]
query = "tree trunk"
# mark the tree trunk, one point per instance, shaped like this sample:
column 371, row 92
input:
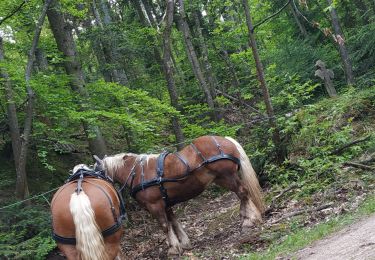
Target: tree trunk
column 20, row 145
column 22, row 191
column 300, row 25
column 212, row 81
column 340, row 40
column 280, row 148
column 15, row 136
column 165, row 62
column 107, row 44
column 40, row 63
column 65, row 43
column 184, row 28
column 231, row 69
column 168, row 72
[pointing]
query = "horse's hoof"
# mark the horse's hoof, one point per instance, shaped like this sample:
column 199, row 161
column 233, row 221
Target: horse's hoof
column 247, row 225
column 175, row 251
column 187, row 246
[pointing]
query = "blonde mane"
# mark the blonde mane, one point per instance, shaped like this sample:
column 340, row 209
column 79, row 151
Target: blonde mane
column 113, row 163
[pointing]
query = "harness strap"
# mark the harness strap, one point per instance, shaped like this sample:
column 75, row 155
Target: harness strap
column 142, row 172
column 198, row 152
column 183, row 160
column 159, row 180
column 107, row 232
column 109, row 199
column 64, row 240
column 160, row 173
column 72, row 240
column 217, row 145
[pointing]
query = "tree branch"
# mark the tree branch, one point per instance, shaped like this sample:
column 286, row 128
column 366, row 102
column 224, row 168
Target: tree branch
column 299, row 212
column 236, row 99
column 340, row 149
column 273, row 202
column 15, row 10
column 271, row 16
column 360, row 166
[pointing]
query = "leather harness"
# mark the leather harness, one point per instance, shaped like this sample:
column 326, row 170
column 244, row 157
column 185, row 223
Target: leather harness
column 79, row 177
column 160, row 180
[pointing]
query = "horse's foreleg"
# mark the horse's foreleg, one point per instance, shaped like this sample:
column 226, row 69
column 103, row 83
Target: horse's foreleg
column 160, row 214
column 179, row 230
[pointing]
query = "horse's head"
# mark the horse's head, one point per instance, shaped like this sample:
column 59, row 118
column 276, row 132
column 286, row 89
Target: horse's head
column 99, row 164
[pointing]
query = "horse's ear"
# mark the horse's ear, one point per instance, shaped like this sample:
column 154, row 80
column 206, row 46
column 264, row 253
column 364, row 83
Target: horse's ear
column 97, row 159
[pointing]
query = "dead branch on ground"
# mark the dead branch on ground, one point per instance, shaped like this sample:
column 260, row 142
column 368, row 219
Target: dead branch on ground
column 273, row 202
column 302, row 211
column 360, row 166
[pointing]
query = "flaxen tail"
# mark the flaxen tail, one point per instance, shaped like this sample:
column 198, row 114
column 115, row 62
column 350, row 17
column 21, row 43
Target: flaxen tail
column 89, row 240
column 249, row 177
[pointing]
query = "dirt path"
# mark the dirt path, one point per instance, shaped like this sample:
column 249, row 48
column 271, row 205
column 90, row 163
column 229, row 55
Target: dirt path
column 354, row 242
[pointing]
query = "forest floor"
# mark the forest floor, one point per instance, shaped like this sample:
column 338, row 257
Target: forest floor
column 213, row 224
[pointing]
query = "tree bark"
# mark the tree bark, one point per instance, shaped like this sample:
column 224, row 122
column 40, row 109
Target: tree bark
column 40, row 63
column 22, row 188
column 20, row 144
column 65, row 43
column 184, row 28
column 107, row 43
column 211, row 79
column 231, row 69
column 165, row 62
column 15, row 136
column 340, row 40
column 168, row 72
column 300, row 25
column 280, row 148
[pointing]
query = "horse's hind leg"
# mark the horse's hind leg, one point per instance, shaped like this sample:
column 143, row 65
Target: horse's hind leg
column 248, row 211
column 69, row 251
column 179, row 230
column 113, row 246
column 159, row 212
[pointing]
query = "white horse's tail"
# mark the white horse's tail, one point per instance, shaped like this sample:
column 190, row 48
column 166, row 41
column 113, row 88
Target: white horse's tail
column 249, row 177
column 89, row 240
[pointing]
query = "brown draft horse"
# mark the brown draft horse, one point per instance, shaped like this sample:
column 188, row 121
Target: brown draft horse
column 158, row 182
column 81, row 209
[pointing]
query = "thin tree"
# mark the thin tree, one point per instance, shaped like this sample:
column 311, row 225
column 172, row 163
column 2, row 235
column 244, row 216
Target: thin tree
column 108, row 43
column 192, row 55
column 20, row 143
column 340, row 40
column 166, row 61
column 168, row 71
column 211, row 78
column 65, row 43
column 280, row 148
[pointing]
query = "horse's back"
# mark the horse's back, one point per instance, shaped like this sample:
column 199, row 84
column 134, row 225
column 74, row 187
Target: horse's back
column 210, row 144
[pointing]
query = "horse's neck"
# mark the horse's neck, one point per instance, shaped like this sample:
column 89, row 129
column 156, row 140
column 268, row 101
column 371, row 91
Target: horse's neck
column 123, row 174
